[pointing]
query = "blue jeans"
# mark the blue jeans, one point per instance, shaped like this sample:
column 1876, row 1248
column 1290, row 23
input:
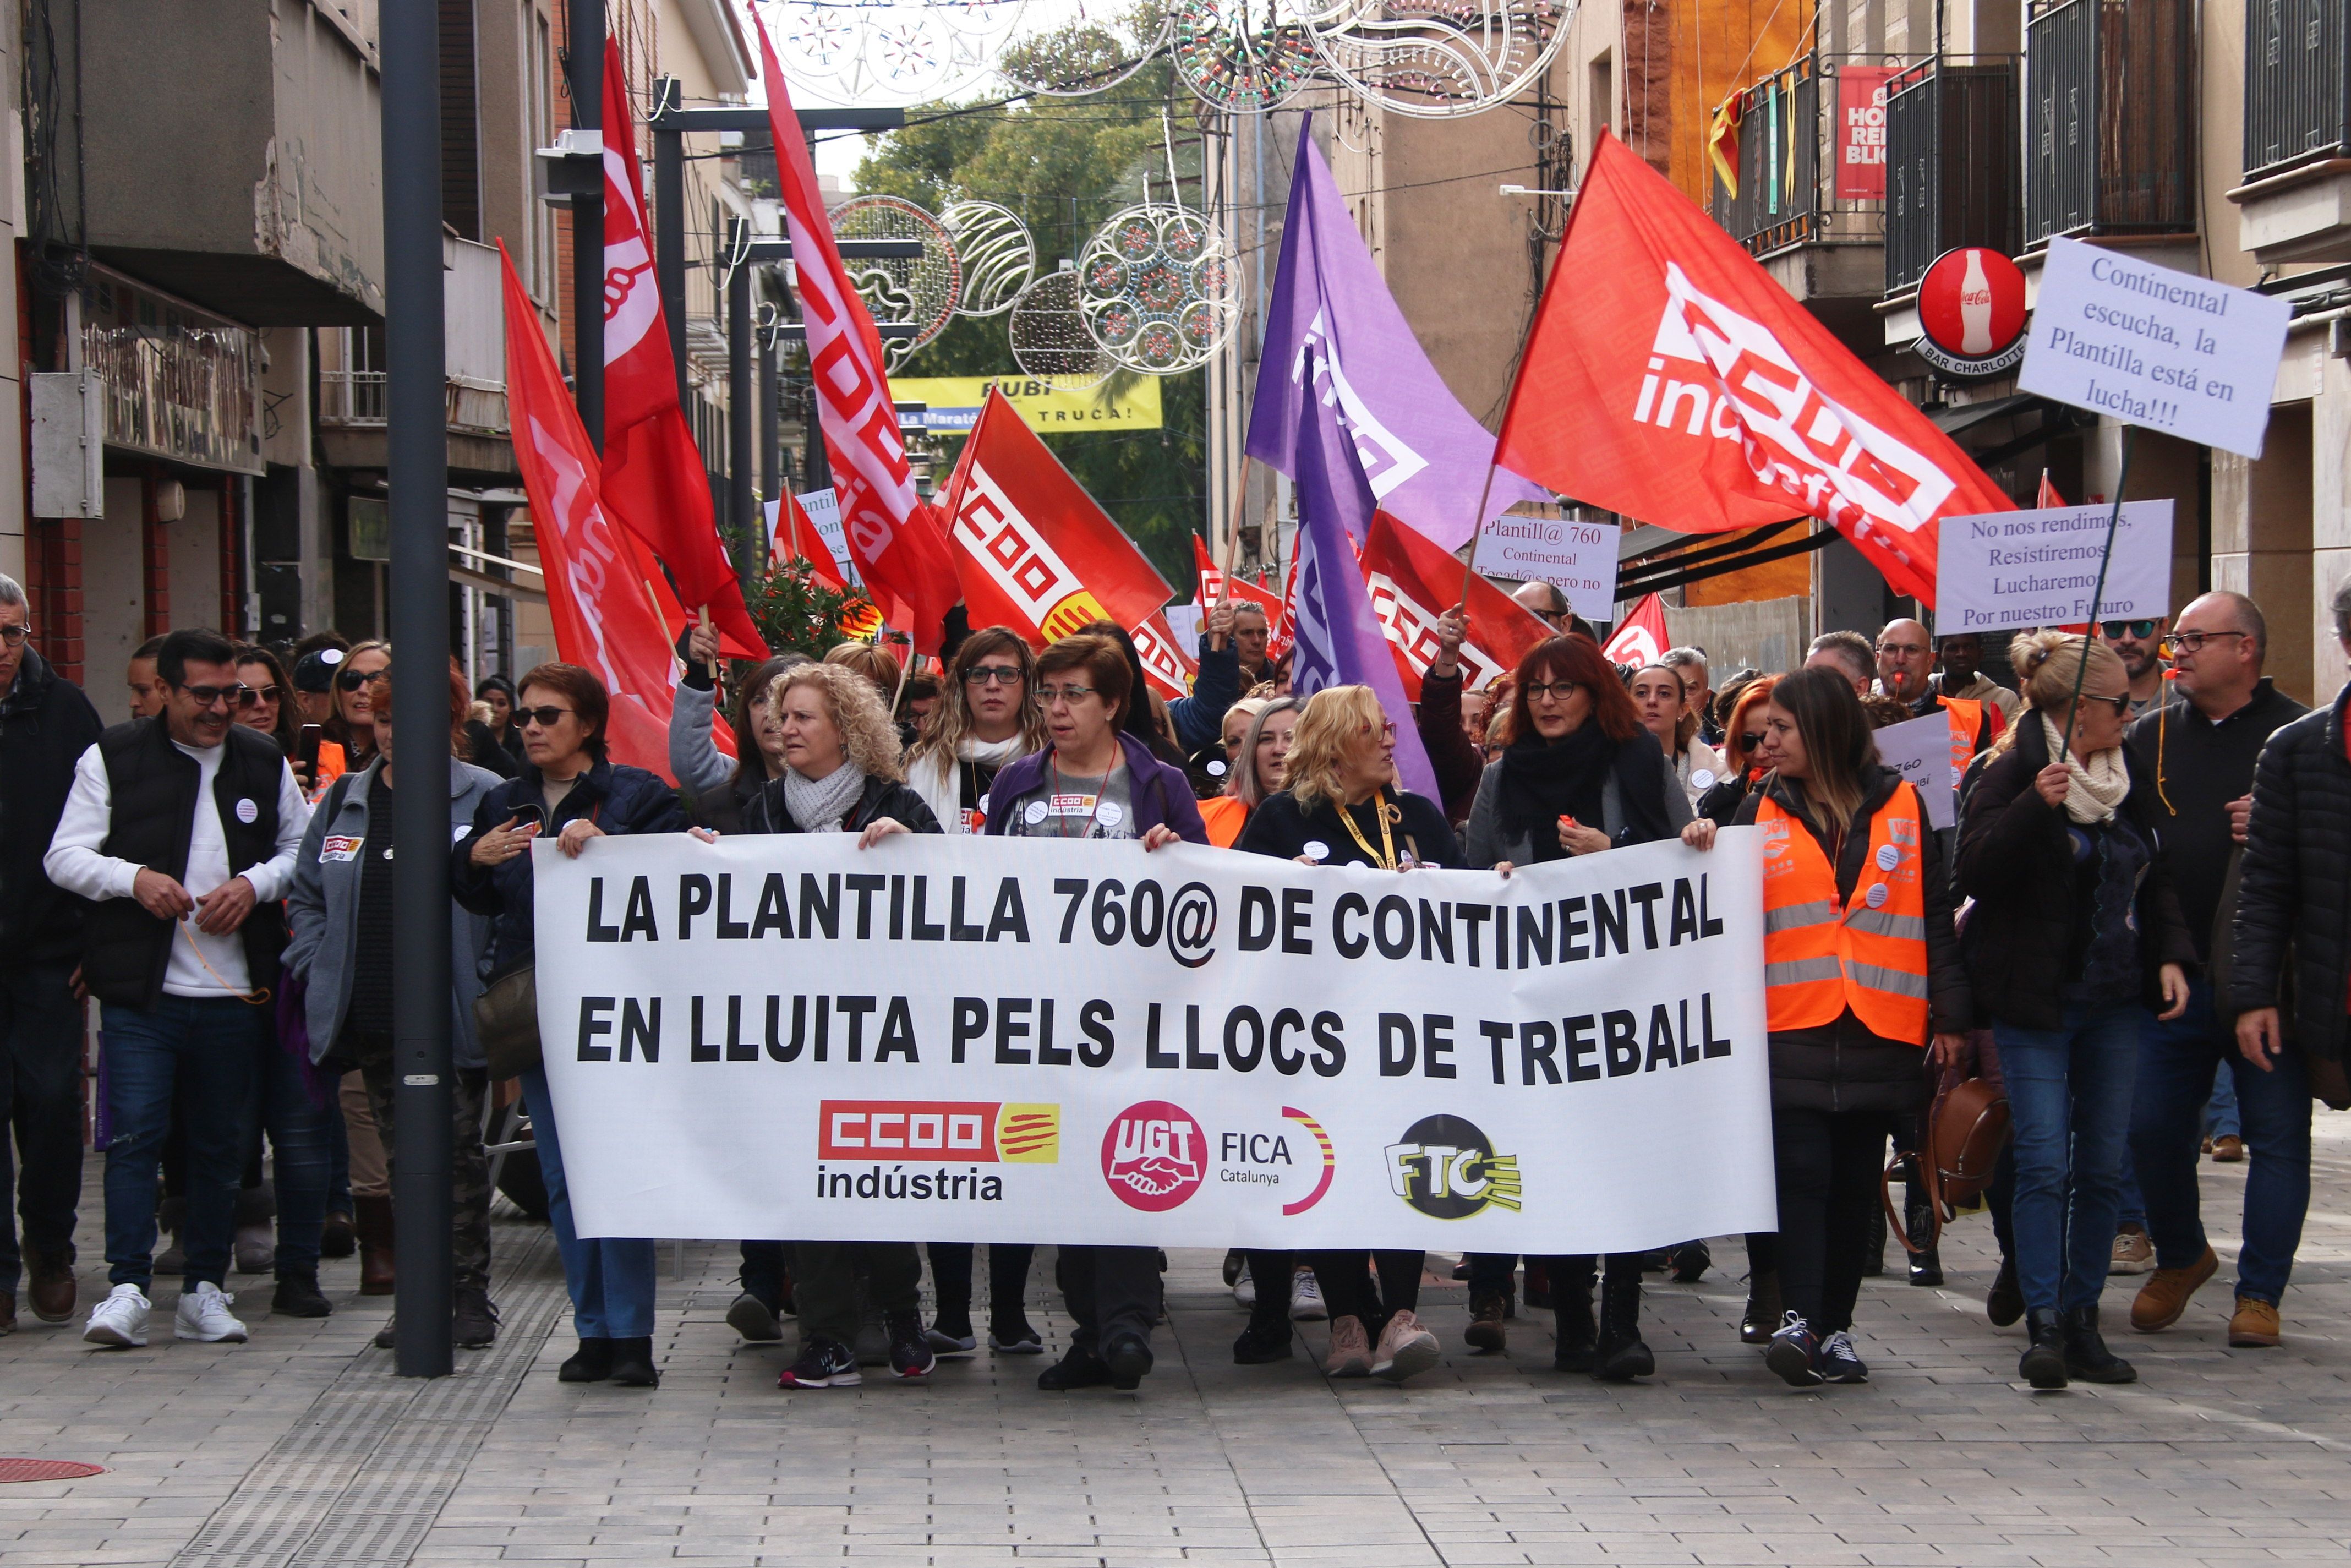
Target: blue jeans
column 2174, row 1076
column 611, row 1282
column 40, row 1101
column 204, row 1052
column 2069, row 1092
column 2220, row 1117
column 301, row 1152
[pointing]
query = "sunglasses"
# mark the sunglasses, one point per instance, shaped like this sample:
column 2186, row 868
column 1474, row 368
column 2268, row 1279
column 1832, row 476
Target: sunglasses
column 254, row 697
column 210, row 696
column 1750, row 742
column 2121, row 704
column 545, row 718
column 352, row 680
column 2120, row 628
column 992, row 675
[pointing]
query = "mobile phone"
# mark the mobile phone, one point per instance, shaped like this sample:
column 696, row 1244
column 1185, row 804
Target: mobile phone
column 305, row 747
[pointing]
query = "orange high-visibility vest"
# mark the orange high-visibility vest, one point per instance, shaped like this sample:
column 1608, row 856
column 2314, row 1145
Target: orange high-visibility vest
column 1820, row 957
column 1966, row 716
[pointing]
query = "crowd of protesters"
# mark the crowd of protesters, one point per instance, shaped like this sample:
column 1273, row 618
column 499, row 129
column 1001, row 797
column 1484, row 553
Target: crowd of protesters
column 2139, row 928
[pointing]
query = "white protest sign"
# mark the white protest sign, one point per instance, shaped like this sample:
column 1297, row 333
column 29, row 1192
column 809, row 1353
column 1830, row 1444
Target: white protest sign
column 823, row 509
column 1921, row 750
column 1579, row 557
column 1183, row 619
column 2149, row 345
column 2009, row 569
column 1026, row 1039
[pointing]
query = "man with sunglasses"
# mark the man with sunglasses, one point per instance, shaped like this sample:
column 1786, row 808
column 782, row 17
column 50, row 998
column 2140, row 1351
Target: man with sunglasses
column 2139, row 643
column 46, row 723
column 181, row 832
column 2201, row 747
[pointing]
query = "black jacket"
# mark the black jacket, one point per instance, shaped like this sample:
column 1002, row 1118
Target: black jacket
column 1280, row 827
column 46, row 723
column 620, row 799
column 1842, row 1066
column 2015, row 861
column 765, row 813
column 2295, row 891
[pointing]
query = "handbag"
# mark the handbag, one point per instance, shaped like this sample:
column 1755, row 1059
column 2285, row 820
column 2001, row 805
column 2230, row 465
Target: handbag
column 506, row 1019
column 1967, row 1128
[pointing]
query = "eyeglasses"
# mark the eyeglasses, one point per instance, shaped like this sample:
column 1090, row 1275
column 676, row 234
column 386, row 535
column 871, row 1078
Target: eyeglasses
column 992, row 675
column 2180, row 642
column 1750, row 742
column 2121, row 704
column 1902, row 651
column 15, row 635
column 2117, row 629
column 211, row 697
column 254, row 697
column 352, row 680
column 545, row 718
column 1558, row 690
column 1388, row 730
column 1048, row 695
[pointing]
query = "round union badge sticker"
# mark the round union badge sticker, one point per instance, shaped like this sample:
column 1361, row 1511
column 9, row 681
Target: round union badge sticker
column 1154, row 1155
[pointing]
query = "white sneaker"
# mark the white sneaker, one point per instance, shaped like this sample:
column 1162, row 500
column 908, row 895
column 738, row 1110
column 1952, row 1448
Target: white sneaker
column 203, row 1316
column 1245, row 1287
column 1306, row 1298
column 120, row 1319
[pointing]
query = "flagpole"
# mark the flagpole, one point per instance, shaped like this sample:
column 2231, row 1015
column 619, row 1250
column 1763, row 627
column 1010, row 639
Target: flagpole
column 1477, row 533
column 2114, row 520
column 1233, row 531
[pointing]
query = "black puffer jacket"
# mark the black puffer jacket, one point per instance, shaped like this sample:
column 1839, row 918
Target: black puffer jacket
column 767, row 813
column 1842, row 1066
column 2015, row 863
column 2295, row 891
column 46, row 723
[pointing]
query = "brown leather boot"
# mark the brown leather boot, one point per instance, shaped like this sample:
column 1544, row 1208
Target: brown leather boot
column 371, row 1217
column 51, row 1281
column 2164, row 1295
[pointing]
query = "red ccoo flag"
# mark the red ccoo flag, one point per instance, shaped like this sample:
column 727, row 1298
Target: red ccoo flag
column 906, row 565
column 1641, row 639
column 1669, row 378
column 605, row 597
column 1034, row 551
column 1167, row 664
column 1214, row 585
column 653, row 480
column 794, row 534
column 2047, row 499
column 1412, row 580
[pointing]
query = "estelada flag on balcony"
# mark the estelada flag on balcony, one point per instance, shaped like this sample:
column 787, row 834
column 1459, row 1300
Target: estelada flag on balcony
column 905, row 563
column 1214, row 586
column 653, row 480
column 1669, row 378
column 603, row 592
column 1412, row 581
column 1033, row 550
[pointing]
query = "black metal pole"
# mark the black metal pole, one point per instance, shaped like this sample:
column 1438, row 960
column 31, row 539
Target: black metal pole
column 587, row 78
column 669, row 233
column 772, row 452
column 741, row 462
column 418, row 445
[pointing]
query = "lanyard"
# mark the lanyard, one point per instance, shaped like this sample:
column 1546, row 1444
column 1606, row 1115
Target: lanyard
column 1055, row 765
column 1385, row 859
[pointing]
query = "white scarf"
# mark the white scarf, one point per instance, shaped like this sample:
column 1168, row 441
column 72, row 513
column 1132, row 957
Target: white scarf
column 2095, row 784
column 935, row 779
column 818, row 805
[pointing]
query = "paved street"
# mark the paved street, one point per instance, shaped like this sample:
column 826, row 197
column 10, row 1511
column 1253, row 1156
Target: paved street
column 301, row 1447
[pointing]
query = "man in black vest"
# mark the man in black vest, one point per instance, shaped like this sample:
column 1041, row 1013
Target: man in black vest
column 183, row 830
column 45, row 723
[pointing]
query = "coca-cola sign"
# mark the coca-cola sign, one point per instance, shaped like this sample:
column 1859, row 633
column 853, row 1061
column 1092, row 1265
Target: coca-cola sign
column 1971, row 314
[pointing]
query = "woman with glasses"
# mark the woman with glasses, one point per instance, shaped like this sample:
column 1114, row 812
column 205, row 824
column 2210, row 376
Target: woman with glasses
column 1745, row 758
column 352, row 725
column 1578, row 776
column 264, row 705
column 2075, row 938
column 1861, row 970
column 568, row 786
column 984, row 719
column 1096, row 780
column 1339, row 805
column 1661, row 696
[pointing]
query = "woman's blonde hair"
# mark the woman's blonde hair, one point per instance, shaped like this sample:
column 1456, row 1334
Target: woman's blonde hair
column 1330, row 727
column 1244, row 785
column 2048, row 667
column 856, row 710
column 876, row 663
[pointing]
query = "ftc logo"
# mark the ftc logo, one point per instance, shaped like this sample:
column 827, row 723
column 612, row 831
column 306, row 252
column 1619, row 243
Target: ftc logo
column 1447, row 1170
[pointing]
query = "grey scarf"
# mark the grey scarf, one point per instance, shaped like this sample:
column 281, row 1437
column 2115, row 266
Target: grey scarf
column 818, row 805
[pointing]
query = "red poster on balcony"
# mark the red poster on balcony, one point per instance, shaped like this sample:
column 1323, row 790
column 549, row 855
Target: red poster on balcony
column 1861, row 133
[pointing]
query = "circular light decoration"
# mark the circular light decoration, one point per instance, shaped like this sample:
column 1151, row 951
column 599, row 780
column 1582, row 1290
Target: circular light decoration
column 1241, row 55
column 1087, row 55
column 1438, row 59
column 855, row 52
column 1050, row 339
column 999, row 255
column 1155, row 285
column 919, row 291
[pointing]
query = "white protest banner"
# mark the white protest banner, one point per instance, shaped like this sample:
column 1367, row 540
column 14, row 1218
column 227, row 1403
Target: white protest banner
column 2149, row 345
column 1921, row 750
column 1579, row 557
column 2040, row 568
column 1023, row 1040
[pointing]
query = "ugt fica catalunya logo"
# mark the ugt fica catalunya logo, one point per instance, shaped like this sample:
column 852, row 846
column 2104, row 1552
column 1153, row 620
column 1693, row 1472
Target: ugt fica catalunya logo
column 1154, row 1155
column 1446, row 1168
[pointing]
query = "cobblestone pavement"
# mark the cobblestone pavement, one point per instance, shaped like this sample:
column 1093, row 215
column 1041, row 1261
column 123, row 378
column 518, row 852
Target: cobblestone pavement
column 301, row 1447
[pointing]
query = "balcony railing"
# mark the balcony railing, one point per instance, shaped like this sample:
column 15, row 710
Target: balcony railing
column 2110, row 114
column 1791, row 137
column 2297, row 83
column 355, row 399
column 1950, row 157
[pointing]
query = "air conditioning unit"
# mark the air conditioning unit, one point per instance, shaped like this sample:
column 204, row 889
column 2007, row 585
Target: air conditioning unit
column 68, row 444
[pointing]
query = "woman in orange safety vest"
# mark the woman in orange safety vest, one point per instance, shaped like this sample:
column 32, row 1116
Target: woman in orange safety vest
column 1863, row 979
